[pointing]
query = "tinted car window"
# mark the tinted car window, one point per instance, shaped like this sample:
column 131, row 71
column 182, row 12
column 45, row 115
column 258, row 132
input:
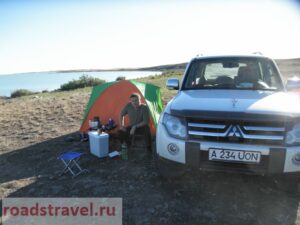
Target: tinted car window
column 233, row 73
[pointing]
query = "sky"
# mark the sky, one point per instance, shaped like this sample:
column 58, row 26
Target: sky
column 61, row 35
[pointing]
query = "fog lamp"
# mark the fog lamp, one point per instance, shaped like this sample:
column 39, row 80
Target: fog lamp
column 173, row 149
column 296, row 159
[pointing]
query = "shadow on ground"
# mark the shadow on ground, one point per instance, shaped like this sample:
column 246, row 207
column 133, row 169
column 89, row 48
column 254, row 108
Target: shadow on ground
column 196, row 198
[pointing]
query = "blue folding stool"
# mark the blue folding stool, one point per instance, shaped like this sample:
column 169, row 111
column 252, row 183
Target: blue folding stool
column 70, row 160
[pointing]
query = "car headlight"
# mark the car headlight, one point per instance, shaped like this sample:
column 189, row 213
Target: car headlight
column 293, row 136
column 176, row 126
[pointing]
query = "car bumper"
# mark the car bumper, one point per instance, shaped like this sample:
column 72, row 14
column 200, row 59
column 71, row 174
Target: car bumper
column 274, row 159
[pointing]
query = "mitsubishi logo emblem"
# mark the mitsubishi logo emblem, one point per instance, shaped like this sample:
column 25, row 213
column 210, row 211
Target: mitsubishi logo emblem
column 234, row 101
column 234, row 131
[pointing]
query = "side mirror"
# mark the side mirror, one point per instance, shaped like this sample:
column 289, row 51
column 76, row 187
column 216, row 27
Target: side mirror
column 172, row 84
column 293, row 84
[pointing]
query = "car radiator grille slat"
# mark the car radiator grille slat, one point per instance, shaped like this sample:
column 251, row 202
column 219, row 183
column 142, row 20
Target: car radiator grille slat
column 242, row 131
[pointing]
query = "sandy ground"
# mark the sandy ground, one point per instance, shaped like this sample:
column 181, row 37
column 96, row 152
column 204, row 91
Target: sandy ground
column 34, row 132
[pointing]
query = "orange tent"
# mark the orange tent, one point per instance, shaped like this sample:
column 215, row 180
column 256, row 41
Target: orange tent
column 107, row 101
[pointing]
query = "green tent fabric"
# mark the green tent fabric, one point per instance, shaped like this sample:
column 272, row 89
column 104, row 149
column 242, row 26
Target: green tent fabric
column 153, row 98
column 96, row 91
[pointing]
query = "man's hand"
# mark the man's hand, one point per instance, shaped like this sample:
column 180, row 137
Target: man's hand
column 132, row 131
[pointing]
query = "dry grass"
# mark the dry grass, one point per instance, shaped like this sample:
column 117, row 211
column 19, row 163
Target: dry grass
column 160, row 81
column 36, row 118
column 29, row 120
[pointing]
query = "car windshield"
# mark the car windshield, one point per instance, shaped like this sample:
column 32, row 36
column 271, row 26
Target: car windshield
column 233, row 73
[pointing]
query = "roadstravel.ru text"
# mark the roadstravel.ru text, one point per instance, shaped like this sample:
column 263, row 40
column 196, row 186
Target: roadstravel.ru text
column 50, row 210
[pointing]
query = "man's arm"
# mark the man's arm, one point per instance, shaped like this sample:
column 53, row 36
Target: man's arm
column 144, row 122
column 141, row 124
column 121, row 116
column 121, row 120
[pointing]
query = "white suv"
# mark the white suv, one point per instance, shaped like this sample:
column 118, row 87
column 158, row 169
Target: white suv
column 231, row 113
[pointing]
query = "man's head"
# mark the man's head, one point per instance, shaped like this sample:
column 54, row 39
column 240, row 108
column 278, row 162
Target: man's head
column 135, row 99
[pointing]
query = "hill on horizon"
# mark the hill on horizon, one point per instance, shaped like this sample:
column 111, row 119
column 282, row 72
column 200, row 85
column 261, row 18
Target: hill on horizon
column 287, row 67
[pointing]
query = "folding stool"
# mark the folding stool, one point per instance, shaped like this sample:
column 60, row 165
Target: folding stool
column 70, row 160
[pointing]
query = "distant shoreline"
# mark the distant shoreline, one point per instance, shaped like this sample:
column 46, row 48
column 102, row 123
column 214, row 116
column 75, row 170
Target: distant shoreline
column 48, row 81
column 85, row 71
column 152, row 68
column 98, row 70
column 179, row 66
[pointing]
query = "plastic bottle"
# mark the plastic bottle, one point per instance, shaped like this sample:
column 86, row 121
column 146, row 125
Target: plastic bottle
column 90, row 125
column 124, row 151
column 110, row 122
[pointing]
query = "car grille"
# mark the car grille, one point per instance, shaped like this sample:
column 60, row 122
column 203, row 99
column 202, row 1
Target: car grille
column 249, row 132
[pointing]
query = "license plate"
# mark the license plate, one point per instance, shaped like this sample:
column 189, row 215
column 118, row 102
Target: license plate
column 234, row 155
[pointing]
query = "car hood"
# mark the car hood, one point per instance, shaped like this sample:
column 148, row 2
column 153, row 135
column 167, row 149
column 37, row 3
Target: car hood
column 246, row 101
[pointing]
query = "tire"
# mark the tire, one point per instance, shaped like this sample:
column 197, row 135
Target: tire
column 167, row 169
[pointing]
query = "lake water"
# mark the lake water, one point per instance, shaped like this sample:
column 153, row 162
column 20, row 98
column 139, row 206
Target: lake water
column 52, row 80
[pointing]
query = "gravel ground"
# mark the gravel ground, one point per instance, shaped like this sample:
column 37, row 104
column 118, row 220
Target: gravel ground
column 36, row 130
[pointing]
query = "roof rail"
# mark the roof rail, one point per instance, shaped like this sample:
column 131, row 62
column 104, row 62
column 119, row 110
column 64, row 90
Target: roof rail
column 257, row 53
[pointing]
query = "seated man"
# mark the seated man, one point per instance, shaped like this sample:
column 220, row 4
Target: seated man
column 138, row 121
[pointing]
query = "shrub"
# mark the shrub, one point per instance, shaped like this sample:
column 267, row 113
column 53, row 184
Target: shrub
column 120, row 78
column 21, row 92
column 83, row 81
